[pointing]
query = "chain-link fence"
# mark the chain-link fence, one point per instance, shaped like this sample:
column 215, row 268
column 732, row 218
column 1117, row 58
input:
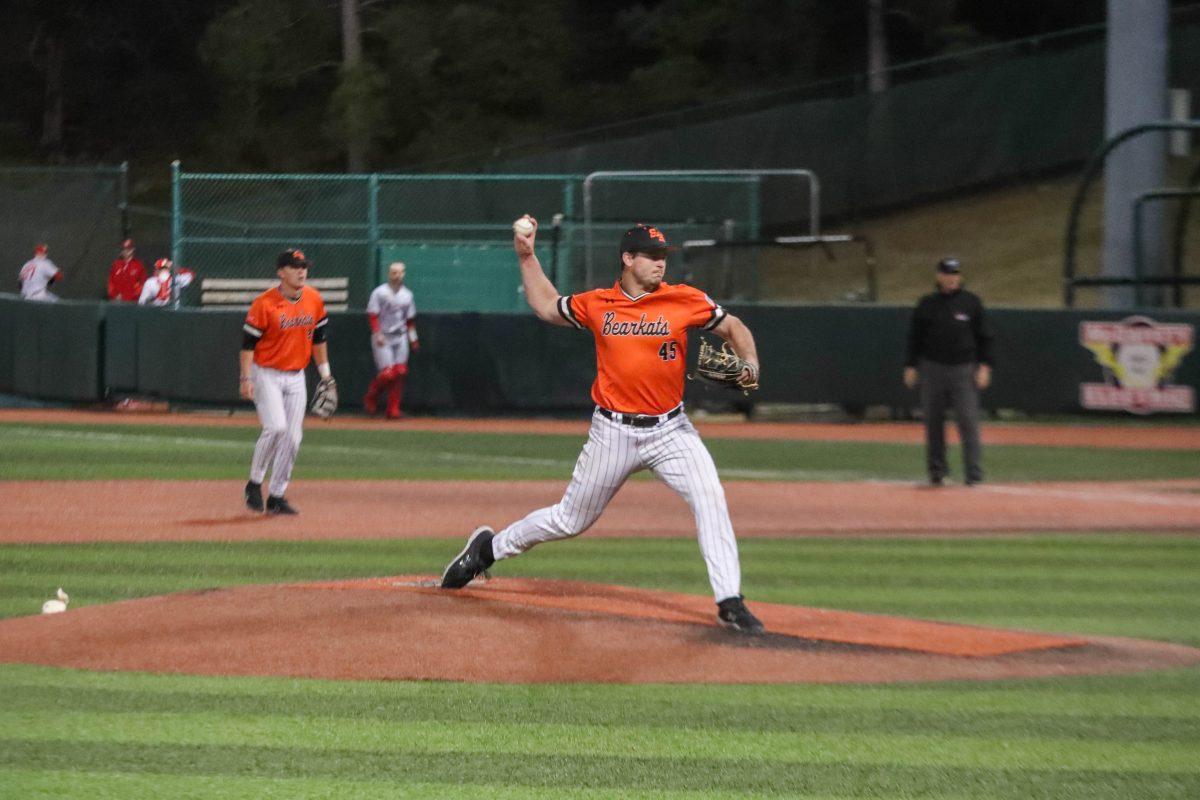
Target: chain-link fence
column 448, row 228
column 79, row 212
column 453, row 231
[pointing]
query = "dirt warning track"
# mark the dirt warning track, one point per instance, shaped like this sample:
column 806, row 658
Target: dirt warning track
column 82, row 511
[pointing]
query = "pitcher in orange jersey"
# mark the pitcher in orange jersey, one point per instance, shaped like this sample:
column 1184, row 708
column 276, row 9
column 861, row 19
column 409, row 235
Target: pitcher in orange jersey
column 284, row 329
column 640, row 325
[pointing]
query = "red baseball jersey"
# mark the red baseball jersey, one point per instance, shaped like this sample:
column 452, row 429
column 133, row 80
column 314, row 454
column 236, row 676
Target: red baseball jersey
column 285, row 327
column 125, row 280
column 641, row 342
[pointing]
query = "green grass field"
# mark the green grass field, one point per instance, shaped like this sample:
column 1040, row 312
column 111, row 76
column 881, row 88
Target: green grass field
column 50, row 452
column 70, row 733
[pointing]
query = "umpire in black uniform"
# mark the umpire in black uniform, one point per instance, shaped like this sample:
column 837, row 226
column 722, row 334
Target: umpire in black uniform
column 950, row 356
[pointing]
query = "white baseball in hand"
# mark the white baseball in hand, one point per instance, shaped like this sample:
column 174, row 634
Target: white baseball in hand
column 523, row 226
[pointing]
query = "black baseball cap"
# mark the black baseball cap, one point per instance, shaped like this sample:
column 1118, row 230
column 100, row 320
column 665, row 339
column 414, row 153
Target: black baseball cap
column 949, row 266
column 291, row 258
column 645, row 239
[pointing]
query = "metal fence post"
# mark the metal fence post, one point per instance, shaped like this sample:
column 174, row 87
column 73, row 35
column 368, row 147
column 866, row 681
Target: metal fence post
column 123, row 200
column 374, row 266
column 176, row 229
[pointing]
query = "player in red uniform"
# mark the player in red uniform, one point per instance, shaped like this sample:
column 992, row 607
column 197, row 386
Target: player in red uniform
column 126, row 276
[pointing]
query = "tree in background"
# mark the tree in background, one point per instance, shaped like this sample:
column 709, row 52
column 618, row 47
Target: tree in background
column 276, row 85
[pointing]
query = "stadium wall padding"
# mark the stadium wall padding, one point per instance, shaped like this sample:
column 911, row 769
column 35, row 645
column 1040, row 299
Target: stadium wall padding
column 471, row 363
column 51, row 350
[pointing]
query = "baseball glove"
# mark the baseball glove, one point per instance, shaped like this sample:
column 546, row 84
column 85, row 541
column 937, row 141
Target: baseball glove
column 325, row 398
column 724, row 367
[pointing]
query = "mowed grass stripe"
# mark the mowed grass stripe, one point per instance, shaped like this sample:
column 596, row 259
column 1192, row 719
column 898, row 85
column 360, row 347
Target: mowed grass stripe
column 1164, row 693
column 100, row 715
column 1168, row 694
column 1034, row 563
column 619, row 741
column 96, row 452
column 116, row 786
column 758, row 776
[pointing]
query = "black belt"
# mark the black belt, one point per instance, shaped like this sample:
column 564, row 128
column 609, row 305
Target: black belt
column 640, row 420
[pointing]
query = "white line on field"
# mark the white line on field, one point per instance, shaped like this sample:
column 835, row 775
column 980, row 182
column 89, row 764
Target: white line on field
column 1092, row 494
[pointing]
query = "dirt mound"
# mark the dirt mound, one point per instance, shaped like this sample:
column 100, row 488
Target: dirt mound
column 527, row 631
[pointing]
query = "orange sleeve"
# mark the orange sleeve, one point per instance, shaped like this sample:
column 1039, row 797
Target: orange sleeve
column 702, row 311
column 575, row 309
column 257, row 318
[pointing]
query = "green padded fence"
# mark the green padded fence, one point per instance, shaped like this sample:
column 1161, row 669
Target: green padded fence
column 472, row 363
column 51, row 351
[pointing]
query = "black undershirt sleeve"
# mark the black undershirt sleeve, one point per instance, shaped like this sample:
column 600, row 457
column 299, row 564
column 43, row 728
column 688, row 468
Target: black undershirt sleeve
column 249, row 340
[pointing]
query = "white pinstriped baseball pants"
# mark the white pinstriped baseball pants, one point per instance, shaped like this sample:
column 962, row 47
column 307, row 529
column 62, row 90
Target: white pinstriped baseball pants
column 674, row 452
column 281, row 399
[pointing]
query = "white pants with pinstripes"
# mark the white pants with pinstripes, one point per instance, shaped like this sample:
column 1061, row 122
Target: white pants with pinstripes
column 281, row 398
column 614, row 451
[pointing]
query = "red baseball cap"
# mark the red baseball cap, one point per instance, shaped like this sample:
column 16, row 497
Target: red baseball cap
column 40, row 248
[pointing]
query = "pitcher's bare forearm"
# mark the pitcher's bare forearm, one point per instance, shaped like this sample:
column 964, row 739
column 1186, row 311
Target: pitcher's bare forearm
column 540, row 293
column 734, row 331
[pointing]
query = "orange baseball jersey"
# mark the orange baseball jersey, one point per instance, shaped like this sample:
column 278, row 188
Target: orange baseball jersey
column 285, row 327
column 641, row 342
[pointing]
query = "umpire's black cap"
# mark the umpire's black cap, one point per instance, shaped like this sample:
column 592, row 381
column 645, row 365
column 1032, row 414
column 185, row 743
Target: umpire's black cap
column 291, row 258
column 949, row 266
column 644, row 239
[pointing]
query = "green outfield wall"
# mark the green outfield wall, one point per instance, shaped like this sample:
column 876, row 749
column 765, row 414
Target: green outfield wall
column 472, row 363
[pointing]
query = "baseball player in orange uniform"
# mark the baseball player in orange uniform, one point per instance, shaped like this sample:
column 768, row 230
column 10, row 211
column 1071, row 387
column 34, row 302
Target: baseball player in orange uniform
column 284, row 329
column 640, row 326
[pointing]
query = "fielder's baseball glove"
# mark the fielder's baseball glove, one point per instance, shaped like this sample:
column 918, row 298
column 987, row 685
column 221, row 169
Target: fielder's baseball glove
column 325, row 398
column 724, row 367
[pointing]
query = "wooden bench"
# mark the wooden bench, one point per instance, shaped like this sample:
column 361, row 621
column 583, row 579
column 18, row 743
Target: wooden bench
column 239, row 293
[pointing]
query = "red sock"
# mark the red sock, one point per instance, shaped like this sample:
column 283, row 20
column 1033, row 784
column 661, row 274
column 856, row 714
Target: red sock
column 371, row 401
column 395, row 395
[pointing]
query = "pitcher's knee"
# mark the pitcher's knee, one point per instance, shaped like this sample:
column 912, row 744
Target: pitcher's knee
column 275, row 433
column 567, row 524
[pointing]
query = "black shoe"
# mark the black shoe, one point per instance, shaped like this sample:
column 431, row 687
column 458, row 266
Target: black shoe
column 253, row 495
column 279, row 505
column 733, row 614
column 935, row 482
column 472, row 561
column 972, row 481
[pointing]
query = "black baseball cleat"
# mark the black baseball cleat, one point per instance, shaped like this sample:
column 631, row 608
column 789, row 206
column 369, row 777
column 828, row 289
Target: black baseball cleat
column 279, row 505
column 253, row 495
column 472, row 561
column 733, row 614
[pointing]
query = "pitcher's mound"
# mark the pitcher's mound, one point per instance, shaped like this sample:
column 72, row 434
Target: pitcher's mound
column 514, row 630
